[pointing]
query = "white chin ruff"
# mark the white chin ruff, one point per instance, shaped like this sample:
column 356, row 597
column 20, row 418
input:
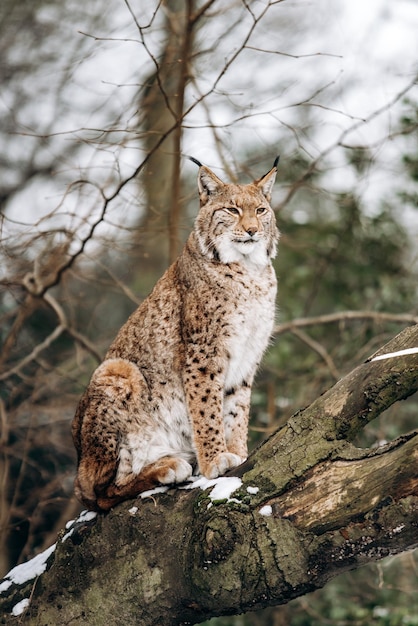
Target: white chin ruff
column 253, row 252
column 246, row 247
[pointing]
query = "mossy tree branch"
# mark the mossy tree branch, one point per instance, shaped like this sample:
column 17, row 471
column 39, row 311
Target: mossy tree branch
column 308, row 506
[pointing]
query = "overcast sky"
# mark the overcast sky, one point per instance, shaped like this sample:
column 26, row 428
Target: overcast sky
column 368, row 52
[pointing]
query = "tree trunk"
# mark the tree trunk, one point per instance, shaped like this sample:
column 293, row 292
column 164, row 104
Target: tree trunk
column 161, row 111
column 306, row 506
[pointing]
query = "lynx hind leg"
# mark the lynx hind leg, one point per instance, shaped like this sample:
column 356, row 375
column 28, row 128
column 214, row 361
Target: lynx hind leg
column 170, row 470
column 165, row 471
column 89, row 482
column 112, row 398
column 111, row 406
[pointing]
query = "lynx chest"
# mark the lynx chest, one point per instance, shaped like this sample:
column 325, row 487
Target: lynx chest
column 250, row 328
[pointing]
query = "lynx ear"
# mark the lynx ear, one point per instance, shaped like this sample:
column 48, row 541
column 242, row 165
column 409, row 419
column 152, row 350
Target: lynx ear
column 208, row 183
column 266, row 182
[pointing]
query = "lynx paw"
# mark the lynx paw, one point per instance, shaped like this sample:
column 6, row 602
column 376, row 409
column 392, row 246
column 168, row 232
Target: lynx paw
column 174, row 471
column 221, row 464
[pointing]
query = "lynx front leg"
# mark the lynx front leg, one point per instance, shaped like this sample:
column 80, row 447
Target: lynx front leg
column 204, row 395
column 236, row 414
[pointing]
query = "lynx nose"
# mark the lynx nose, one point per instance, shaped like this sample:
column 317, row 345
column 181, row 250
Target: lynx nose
column 251, row 230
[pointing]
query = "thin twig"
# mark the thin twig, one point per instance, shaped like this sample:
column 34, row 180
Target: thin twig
column 319, row 349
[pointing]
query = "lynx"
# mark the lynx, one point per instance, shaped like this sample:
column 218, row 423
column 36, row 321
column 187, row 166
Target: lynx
column 172, row 396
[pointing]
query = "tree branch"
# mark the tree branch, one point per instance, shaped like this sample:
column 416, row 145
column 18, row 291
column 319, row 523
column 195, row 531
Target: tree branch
column 345, row 316
column 306, row 506
column 36, row 292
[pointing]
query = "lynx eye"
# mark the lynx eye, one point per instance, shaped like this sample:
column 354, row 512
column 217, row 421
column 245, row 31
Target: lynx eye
column 261, row 210
column 232, row 210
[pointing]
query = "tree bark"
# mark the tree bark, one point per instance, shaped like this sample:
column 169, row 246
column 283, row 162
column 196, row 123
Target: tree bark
column 307, row 506
column 161, row 112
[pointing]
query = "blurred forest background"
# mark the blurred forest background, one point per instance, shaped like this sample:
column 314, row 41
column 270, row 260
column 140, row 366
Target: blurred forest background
column 100, row 103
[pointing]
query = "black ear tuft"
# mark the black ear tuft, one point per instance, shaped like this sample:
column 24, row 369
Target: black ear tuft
column 266, row 182
column 198, row 163
column 275, row 164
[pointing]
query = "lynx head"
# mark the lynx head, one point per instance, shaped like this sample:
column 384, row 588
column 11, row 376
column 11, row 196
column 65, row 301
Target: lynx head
column 236, row 222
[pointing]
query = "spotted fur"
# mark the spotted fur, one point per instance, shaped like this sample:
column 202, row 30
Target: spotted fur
column 173, row 393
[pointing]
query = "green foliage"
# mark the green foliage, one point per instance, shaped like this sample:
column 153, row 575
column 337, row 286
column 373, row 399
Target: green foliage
column 409, row 125
column 345, row 260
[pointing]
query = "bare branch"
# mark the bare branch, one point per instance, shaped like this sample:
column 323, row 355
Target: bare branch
column 342, row 138
column 345, row 316
column 43, row 345
column 319, row 349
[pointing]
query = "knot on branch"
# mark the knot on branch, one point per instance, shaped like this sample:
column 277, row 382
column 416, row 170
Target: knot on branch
column 219, row 540
column 32, row 284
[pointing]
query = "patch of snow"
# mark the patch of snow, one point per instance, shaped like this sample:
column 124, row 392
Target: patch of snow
column 151, row 492
column 133, row 510
column 5, row 585
column 27, row 571
column 266, row 510
column 398, row 529
column 20, row 607
column 253, row 490
column 85, row 516
column 36, row 566
column 199, row 481
column 391, row 355
column 223, row 487
column 67, row 535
